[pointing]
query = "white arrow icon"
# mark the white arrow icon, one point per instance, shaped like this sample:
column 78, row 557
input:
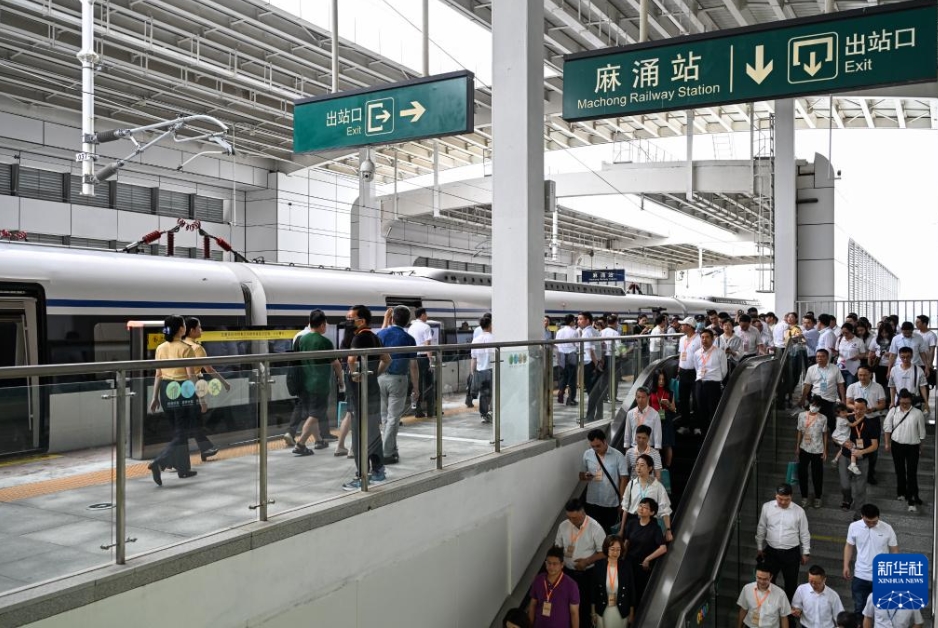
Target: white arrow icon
column 416, row 112
column 812, row 67
column 761, row 70
column 384, row 116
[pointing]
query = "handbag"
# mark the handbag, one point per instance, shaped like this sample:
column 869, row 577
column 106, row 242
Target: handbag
column 481, row 380
column 791, row 474
column 614, row 529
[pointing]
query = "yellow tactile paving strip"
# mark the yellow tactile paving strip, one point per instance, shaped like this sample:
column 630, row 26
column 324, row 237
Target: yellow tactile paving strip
column 137, row 470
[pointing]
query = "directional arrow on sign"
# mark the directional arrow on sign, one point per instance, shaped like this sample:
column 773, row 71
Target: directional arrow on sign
column 415, row 113
column 384, row 116
column 761, row 70
column 814, row 65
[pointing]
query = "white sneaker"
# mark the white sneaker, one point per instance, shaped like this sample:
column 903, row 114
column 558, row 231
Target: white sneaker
column 913, row 508
column 805, row 502
column 854, row 469
column 817, row 502
column 683, row 431
column 289, row 439
column 900, row 498
column 697, row 432
column 834, row 463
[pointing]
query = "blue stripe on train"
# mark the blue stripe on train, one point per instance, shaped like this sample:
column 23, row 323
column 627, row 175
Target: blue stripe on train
column 160, row 305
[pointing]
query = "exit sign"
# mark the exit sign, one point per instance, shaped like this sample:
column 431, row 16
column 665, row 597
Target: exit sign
column 433, row 106
column 887, row 45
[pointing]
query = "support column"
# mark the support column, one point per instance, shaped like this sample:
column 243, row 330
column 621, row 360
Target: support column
column 518, row 198
column 368, row 249
column 785, row 267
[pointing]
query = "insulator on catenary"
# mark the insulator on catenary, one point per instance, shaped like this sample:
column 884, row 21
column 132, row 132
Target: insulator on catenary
column 223, row 245
column 151, row 237
column 207, row 247
column 170, row 244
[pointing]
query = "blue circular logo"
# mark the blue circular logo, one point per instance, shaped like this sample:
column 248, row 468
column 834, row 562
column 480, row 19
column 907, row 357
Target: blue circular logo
column 188, row 389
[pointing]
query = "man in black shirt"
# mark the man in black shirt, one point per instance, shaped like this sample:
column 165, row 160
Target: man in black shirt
column 359, row 324
column 864, row 440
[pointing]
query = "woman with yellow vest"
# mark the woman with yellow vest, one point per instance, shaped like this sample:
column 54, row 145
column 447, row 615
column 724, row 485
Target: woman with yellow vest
column 174, row 390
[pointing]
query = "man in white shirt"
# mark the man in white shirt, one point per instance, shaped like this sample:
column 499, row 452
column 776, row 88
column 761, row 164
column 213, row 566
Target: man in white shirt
column 642, row 414
column 815, row 604
column 581, row 538
column 423, row 335
column 752, row 339
column 762, row 604
column 481, row 367
column 602, row 496
column 929, row 337
column 870, row 537
column 687, row 374
column 824, row 379
column 655, row 345
column 890, row 618
column 567, row 359
column 910, row 377
column 711, row 368
column 915, row 342
column 827, row 338
column 782, row 538
column 780, row 327
column 905, row 435
column 811, row 335
column 592, row 365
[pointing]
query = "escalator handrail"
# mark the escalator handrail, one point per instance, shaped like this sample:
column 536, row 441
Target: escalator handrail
column 687, row 572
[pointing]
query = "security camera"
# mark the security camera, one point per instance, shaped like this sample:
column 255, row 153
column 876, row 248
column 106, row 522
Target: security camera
column 367, row 170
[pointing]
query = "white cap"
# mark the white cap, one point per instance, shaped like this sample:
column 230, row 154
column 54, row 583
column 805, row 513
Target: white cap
column 689, row 321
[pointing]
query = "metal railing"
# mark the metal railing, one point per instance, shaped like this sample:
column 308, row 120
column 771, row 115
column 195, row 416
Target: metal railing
column 263, row 374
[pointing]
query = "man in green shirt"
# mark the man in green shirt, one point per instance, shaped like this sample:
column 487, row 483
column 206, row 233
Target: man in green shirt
column 319, row 375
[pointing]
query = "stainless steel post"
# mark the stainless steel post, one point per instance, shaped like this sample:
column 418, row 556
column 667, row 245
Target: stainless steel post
column 335, row 46
column 263, row 399
column 88, row 59
column 546, row 424
column 363, row 410
column 613, row 378
column 497, row 398
column 581, row 385
column 120, row 488
column 438, row 403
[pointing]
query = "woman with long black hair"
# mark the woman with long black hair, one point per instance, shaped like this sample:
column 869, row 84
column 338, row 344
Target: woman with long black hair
column 884, row 335
column 174, row 390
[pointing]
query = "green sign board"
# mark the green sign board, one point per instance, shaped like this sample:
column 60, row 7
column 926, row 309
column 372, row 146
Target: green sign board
column 426, row 107
column 886, row 45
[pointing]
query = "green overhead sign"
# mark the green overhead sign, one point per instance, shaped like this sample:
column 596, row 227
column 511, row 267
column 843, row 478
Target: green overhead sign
column 426, row 107
column 849, row 50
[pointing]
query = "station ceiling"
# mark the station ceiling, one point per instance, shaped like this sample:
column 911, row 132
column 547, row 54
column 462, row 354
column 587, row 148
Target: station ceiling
column 244, row 62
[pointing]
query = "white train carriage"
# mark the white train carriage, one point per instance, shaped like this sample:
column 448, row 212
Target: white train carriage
column 67, row 306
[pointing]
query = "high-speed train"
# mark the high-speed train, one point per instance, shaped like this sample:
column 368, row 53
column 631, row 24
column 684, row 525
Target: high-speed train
column 60, row 305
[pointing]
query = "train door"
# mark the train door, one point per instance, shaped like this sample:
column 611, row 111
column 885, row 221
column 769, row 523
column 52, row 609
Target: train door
column 20, row 416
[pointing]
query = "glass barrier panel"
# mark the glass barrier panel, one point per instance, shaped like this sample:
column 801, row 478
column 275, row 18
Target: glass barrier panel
column 57, row 497
column 192, row 461
column 519, row 394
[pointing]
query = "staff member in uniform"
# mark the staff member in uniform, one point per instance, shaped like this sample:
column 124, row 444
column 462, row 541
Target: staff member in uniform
column 193, row 333
column 782, row 538
column 686, row 372
column 762, row 604
column 174, row 389
column 711, row 369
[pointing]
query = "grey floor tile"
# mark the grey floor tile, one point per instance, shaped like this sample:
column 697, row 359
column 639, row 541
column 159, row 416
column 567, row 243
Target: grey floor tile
column 16, row 519
column 85, row 535
column 13, row 548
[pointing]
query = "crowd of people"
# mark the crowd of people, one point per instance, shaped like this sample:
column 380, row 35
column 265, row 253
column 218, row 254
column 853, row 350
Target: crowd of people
column 607, row 545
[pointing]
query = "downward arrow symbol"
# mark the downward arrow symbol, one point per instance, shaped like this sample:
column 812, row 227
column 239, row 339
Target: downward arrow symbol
column 761, row 70
column 812, row 67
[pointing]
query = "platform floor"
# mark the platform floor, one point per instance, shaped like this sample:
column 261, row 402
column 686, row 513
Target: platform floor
column 56, row 519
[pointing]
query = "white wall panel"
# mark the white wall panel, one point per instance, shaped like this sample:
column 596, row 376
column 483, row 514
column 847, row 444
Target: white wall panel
column 20, row 128
column 9, row 212
column 45, row 216
column 131, row 225
column 94, row 222
column 61, row 136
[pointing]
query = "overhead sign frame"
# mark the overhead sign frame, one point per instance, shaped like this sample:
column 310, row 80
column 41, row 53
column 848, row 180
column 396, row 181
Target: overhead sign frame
column 582, row 69
column 380, row 115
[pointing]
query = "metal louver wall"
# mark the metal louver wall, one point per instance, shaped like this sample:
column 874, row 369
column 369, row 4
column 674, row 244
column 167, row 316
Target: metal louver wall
column 6, row 179
column 867, row 278
column 174, row 204
column 101, row 198
column 209, row 209
column 42, row 184
column 134, row 198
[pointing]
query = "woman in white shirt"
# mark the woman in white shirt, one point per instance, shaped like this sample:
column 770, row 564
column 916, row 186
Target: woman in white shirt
column 730, row 343
column 643, row 485
column 849, row 351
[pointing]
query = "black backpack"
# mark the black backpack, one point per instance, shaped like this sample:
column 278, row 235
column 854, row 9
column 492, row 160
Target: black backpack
column 296, row 375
